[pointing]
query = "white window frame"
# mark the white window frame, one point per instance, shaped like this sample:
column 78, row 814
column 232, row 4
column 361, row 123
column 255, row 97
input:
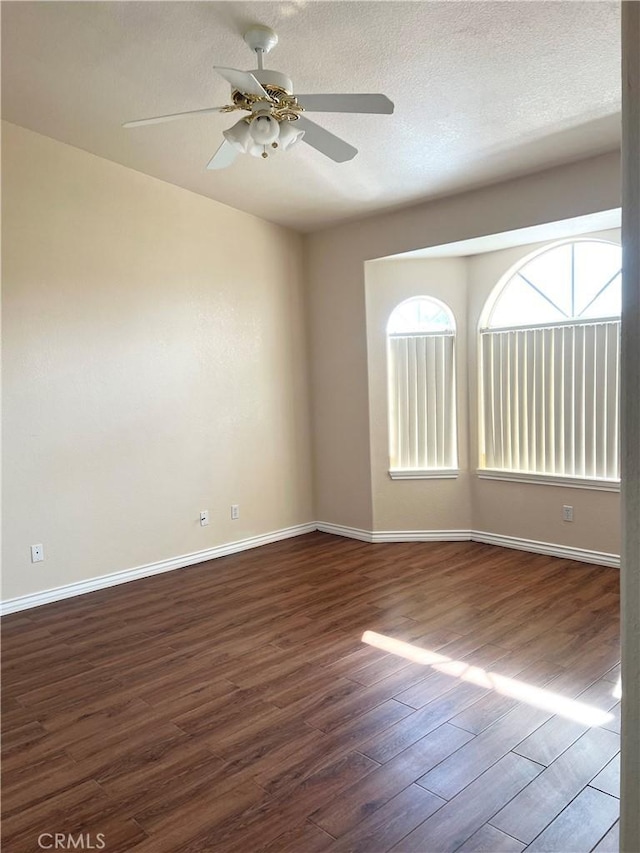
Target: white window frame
column 531, row 476
column 447, row 387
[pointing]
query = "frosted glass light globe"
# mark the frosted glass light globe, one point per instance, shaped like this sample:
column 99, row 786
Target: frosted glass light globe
column 239, row 135
column 289, row 135
column 264, row 129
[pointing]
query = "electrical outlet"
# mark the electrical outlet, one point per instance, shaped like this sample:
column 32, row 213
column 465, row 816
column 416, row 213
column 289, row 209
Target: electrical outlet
column 37, row 553
column 567, row 513
column 235, row 511
column 204, row 518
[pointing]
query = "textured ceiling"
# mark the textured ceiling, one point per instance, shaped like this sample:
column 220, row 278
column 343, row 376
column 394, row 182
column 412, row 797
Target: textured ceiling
column 482, row 91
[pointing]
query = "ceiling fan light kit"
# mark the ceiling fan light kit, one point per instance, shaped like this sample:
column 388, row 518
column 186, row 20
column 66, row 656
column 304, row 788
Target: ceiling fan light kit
column 289, row 135
column 239, row 135
column 264, row 129
column 275, row 119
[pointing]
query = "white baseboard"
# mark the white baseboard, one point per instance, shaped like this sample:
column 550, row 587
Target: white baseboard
column 377, row 536
column 36, row 599
column 565, row 552
column 348, row 532
column 421, row 535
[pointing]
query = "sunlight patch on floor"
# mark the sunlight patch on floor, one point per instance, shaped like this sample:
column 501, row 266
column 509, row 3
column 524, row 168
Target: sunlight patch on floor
column 521, row 691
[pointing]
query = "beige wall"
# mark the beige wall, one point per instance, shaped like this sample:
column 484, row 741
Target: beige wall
column 154, row 366
column 337, row 308
column 530, row 511
column 441, row 504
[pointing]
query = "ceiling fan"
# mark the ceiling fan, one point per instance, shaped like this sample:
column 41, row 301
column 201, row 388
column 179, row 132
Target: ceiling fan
column 275, row 117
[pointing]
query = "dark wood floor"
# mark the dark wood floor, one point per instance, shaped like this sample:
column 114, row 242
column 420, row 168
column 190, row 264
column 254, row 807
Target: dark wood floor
column 233, row 706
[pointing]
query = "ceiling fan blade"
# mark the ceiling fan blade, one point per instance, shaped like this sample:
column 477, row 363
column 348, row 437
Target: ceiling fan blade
column 171, row 117
column 324, row 141
column 346, row 104
column 243, row 81
column 224, row 156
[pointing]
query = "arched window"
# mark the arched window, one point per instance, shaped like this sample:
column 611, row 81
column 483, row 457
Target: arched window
column 550, row 349
column 422, row 389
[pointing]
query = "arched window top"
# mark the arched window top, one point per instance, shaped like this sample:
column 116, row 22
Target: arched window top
column 571, row 282
column 421, row 315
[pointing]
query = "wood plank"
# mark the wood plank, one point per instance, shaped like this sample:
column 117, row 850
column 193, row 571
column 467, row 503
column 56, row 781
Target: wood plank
column 492, row 707
column 532, row 810
column 80, row 801
column 557, row 734
column 440, row 682
column 580, row 826
column 488, row 839
column 344, row 710
column 384, row 828
column 611, row 841
column 382, row 784
column 82, row 809
column 68, row 691
column 185, row 764
column 316, row 697
column 306, row 838
column 389, row 664
column 21, row 736
column 221, row 709
column 420, row 723
column 614, row 724
column 118, row 835
column 199, row 817
column 269, row 730
column 291, row 772
column 550, row 740
column 608, row 779
column 264, row 822
column 457, row 771
column 29, row 784
column 458, row 819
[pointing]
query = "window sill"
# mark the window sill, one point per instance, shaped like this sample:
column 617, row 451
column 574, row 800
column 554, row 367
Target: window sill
column 549, row 480
column 423, row 473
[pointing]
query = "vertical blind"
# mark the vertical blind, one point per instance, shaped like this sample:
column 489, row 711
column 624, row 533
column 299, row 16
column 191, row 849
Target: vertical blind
column 550, row 399
column 422, row 401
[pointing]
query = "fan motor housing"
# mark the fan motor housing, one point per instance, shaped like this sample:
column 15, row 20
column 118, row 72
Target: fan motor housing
column 273, row 78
